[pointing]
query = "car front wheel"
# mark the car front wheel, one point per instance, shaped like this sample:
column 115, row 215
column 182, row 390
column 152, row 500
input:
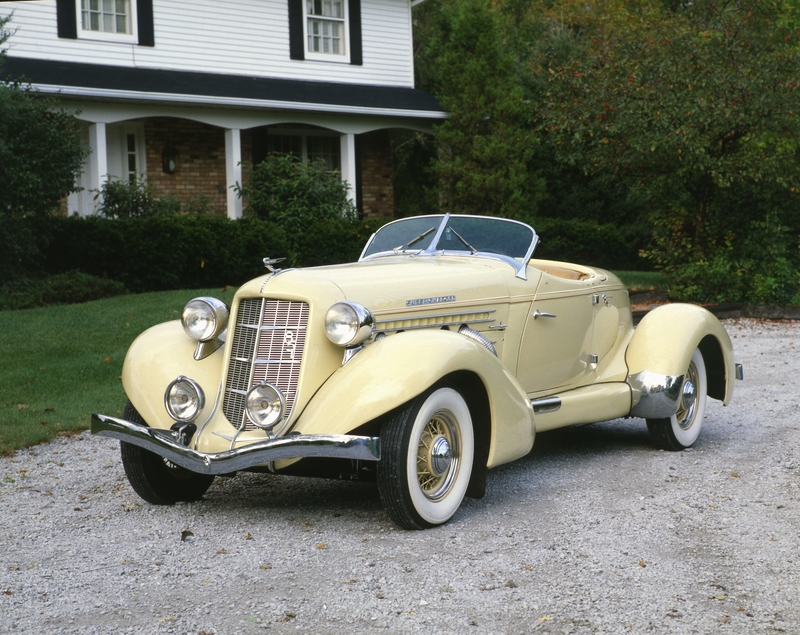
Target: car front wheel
column 427, row 449
column 154, row 478
column 681, row 430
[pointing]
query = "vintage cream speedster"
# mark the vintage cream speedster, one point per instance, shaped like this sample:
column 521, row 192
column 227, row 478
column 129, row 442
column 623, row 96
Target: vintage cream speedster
column 438, row 355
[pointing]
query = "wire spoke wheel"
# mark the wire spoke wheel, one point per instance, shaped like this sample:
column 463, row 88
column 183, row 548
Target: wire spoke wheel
column 438, row 455
column 427, row 449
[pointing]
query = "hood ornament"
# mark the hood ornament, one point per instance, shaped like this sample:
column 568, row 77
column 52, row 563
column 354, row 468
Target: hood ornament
column 268, row 262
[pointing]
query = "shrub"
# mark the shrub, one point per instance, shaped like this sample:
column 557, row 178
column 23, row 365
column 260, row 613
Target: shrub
column 335, row 241
column 294, row 196
column 133, row 199
column 64, row 288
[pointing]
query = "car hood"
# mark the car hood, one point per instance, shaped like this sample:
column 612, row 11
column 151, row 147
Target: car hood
column 387, row 285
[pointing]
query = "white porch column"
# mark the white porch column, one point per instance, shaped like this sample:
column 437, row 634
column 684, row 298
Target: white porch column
column 98, row 162
column 348, row 152
column 233, row 170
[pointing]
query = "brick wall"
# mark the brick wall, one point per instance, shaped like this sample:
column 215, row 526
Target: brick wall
column 377, row 197
column 201, row 160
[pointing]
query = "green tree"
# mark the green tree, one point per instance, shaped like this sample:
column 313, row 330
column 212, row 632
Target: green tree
column 698, row 103
column 482, row 150
column 40, row 154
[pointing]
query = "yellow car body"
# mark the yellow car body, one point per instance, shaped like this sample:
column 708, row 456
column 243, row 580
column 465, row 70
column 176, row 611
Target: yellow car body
column 527, row 345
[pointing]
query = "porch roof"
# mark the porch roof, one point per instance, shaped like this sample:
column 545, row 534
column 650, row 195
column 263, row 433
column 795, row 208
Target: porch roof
column 148, row 85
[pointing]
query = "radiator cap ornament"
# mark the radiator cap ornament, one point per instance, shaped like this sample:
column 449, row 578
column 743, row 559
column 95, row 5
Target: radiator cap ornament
column 268, row 262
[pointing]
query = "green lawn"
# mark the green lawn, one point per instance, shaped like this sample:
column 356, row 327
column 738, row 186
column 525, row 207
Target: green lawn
column 641, row 280
column 60, row 364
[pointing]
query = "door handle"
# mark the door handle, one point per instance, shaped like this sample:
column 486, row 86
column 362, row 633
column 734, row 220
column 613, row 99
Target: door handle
column 537, row 314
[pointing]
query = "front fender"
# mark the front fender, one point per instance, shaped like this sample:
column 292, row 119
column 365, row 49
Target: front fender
column 159, row 355
column 661, row 349
column 395, row 369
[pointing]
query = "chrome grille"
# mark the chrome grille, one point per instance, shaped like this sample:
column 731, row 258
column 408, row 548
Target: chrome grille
column 268, row 342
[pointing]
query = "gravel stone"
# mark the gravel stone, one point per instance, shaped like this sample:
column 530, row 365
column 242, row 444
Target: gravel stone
column 593, row 532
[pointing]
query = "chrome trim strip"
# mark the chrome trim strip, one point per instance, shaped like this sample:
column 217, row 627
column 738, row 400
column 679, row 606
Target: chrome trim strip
column 436, row 315
column 431, row 325
column 293, row 446
column 659, row 394
column 477, row 337
column 739, row 372
column 546, row 405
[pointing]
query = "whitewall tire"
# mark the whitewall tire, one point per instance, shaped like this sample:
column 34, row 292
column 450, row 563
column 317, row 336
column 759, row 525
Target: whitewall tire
column 427, row 450
column 681, row 430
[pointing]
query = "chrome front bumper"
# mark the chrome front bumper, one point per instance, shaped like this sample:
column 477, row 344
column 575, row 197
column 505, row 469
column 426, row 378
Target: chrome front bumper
column 293, row 446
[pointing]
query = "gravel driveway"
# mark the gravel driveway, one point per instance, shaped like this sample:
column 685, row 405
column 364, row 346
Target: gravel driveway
column 593, row 532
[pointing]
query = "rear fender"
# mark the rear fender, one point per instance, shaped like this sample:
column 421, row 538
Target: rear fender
column 391, row 371
column 661, row 349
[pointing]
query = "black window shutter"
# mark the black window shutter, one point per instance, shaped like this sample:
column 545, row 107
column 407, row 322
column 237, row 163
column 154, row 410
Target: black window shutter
column 144, row 22
column 297, row 47
column 354, row 12
column 66, row 19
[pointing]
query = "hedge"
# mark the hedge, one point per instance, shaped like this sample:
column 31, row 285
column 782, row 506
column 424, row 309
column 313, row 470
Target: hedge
column 164, row 252
column 159, row 253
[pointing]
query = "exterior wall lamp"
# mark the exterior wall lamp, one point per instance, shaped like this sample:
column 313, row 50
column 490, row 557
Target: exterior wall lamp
column 169, row 160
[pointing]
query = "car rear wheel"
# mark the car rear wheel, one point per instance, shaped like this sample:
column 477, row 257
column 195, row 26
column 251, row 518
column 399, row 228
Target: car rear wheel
column 681, row 430
column 154, row 478
column 427, row 449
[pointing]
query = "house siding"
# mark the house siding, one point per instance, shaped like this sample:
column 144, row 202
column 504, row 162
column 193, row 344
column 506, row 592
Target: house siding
column 250, row 38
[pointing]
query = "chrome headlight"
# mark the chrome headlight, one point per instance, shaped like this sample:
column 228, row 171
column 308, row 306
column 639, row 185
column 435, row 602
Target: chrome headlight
column 184, row 399
column 348, row 324
column 204, row 319
column 265, row 405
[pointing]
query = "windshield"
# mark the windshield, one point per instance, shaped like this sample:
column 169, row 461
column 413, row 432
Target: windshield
column 498, row 238
column 473, row 234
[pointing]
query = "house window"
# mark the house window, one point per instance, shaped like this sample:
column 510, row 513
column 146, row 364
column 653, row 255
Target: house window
column 320, row 149
column 325, row 30
column 107, row 16
column 325, row 27
column 110, row 20
column 131, row 157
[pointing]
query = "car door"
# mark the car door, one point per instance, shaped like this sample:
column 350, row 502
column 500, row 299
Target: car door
column 556, row 342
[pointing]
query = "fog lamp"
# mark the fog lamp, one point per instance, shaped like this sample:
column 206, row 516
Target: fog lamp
column 184, row 399
column 265, row 405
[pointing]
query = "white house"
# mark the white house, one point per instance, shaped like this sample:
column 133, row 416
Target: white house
column 185, row 91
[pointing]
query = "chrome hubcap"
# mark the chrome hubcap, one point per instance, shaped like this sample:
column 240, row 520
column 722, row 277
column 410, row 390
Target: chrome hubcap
column 686, row 409
column 441, row 456
column 689, row 394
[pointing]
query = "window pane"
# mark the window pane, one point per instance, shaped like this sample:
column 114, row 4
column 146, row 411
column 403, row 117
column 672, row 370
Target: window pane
column 108, row 16
column 325, row 151
column 286, row 144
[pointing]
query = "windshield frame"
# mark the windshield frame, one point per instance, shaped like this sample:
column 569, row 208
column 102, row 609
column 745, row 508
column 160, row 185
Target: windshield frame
column 520, row 267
